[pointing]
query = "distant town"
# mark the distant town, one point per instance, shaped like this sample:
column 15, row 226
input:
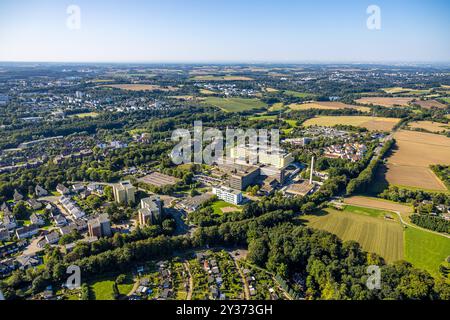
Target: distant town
column 360, row 177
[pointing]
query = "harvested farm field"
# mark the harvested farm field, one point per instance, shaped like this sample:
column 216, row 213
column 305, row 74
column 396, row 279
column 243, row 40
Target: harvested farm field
column 379, row 204
column 408, row 166
column 376, row 230
column 428, row 104
column 326, row 105
column 430, row 126
column 371, row 123
column 386, row 101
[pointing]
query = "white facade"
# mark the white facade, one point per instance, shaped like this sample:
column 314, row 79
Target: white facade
column 228, row 195
column 275, row 157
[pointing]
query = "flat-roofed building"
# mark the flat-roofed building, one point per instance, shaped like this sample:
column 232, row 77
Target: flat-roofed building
column 100, row 227
column 242, row 176
column 151, row 211
column 124, row 192
column 228, row 195
column 300, row 189
column 271, row 156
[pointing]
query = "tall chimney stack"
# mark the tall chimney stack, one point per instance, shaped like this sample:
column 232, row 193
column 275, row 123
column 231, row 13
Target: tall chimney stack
column 312, row 170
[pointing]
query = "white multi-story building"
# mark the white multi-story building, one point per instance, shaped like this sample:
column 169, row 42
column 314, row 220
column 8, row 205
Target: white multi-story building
column 275, row 157
column 228, row 195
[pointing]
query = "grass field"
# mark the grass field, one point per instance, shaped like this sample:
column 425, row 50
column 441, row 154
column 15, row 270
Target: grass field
column 235, row 104
column 297, row 94
column 371, row 123
column 102, row 289
column 400, row 90
column 220, row 207
column 447, row 99
column 425, row 149
column 426, row 250
column 263, row 117
column 366, row 226
column 386, row 101
column 423, row 249
column 277, row 107
column 85, row 115
column 326, row 105
column 430, row 126
column 207, row 92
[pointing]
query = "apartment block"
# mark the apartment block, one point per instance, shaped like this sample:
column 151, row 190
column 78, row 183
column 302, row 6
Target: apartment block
column 124, row 192
column 228, row 195
column 151, row 211
column 100, row 227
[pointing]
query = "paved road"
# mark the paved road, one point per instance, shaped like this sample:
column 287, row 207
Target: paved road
column 191, row 281
column 244, row 279
column 135, row 287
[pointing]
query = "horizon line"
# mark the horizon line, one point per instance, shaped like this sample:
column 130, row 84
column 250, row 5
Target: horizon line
column 354, row 62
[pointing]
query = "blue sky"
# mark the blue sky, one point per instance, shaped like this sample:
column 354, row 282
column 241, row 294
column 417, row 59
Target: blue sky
column 225, row 31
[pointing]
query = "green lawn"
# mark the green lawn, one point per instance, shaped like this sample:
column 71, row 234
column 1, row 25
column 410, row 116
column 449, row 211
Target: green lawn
column 218, row 205
column 376, row 213
column 235, row 104
column 263, row 117
column 297, row 94
column 277, row 107
column 85, row 115
column 447, row 99
column 292, row 123
column 426, row 250
column 102, row 289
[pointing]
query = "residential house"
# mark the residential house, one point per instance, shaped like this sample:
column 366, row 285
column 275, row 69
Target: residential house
column 37, row 219
column 52, row 237
column 36, row 205
column 71, row 208
column 60, row 220
column 67, row 229
column 81, row 225
column 5, row 208
column 84, row 194
column 4, row 235
column 9, row 222
column 40, row 192
column 26, row 232
column 7, row 266
column 78, row 187
column 17, row 196
column 28, row 261
column 62, row 189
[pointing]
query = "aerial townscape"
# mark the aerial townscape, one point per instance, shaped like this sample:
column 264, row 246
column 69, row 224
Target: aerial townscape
column 356, row 176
